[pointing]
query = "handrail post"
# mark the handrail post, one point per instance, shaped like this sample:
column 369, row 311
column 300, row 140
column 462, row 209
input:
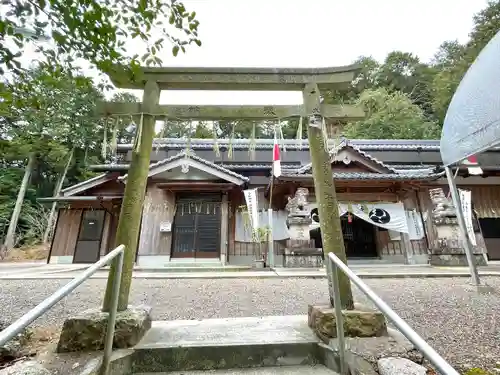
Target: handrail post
column 40, row 309
column 419, row 343
column 339, row 318
column 110, row 332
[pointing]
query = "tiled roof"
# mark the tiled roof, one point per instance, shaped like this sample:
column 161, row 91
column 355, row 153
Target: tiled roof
column 348, row 144
column 191, row 155
column 411, row 166
column 262, row 165
column 374, row 176
column 368, row 156
column 292, row 144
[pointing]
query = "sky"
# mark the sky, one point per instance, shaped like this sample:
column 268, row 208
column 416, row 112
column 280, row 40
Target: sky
column 312, row 33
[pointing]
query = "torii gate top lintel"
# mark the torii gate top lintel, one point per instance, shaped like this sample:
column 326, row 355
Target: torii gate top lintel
column 236, row 78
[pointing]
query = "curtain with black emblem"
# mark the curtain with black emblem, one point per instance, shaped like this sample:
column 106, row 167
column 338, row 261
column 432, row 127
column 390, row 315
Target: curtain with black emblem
column 391, row 216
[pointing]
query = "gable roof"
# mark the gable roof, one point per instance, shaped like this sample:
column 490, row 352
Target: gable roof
column 346, row 152
column 88, row 184
column 189, row 159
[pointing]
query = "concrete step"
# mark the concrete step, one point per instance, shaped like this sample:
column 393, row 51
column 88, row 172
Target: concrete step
column 285, row 370
column 215, row 344
column 192, row 267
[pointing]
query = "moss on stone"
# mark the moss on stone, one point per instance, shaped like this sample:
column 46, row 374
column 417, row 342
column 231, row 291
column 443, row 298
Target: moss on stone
column 477, row 371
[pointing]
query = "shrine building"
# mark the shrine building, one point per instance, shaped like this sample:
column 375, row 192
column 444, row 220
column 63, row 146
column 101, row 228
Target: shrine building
column 193, row 205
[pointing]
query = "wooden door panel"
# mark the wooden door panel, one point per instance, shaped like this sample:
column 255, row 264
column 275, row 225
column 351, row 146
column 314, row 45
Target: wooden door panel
column 196, row 226
column 184, row 229
column 208, row 231
column 88, row 245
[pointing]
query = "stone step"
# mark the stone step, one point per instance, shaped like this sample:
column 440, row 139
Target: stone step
column 214, row 344
column 284, row 370
column 193, row 267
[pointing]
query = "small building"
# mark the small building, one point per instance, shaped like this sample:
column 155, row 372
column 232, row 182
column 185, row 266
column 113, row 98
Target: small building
column 193, row 205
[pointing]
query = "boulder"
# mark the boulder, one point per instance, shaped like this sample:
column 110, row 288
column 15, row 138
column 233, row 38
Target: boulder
column 357, row 323
column 87, row 331
column 14, row 348
column 25, row 368
column 399, row 366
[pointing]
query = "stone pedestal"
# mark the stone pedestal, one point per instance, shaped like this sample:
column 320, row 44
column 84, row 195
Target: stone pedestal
column 298, row 226
column 357, row 323
column 447, row 249
column 87, row 331
column 302, row 254
column 300, row 251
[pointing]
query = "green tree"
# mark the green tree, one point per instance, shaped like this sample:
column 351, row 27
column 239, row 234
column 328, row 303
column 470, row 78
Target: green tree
column 96, row 31
column 248, row 129
column 391, row 116
column 448, row 55
column 47, row 115
column 125, row 132
column 185, row 129
column 399, row 72
column 453, row 59
column 486, row 26
column 451, row 63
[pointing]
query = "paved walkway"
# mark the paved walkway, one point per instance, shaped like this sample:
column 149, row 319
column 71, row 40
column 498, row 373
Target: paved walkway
column 19, row 271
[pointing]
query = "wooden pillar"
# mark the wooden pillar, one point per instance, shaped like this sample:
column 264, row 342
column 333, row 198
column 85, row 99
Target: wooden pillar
column 224, row 228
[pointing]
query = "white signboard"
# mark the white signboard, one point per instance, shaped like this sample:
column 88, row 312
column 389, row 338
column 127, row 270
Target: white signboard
column 165, row 226
column 415, row 225
column 466, row 201
column 252, row 207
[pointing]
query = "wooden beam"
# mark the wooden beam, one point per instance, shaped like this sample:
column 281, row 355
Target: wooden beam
column 195, row 186
column 230, row 112
column 240, row 79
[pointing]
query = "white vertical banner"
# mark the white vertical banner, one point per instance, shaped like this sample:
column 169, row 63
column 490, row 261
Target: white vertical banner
column 251, row 199
column 466, row 202
column 415, row 225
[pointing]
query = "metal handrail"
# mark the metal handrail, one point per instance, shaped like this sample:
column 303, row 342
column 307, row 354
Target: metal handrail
column 28, row 318
column 432, row 356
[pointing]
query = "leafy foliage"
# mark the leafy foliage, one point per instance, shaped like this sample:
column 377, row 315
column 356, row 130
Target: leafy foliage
column 32, row 213
column 391, row 115
column 96, row 31
column 47, row 113
column 49, row 110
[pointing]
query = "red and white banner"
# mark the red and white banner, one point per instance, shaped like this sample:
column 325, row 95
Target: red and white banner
column 276, row 158
column 472, row 165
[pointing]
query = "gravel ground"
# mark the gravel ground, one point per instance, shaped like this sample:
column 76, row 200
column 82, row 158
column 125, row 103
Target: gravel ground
column 459, row 323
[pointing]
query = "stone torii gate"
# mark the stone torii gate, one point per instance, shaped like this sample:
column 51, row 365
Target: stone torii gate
column 152, row 80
